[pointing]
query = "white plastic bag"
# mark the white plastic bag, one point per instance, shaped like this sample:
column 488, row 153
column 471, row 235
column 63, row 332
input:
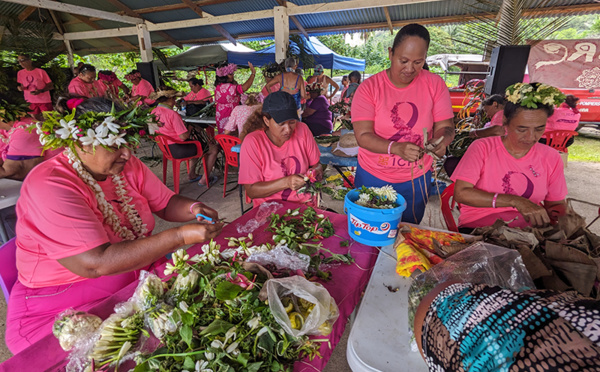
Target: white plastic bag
column 282, row 257
column 322, row 316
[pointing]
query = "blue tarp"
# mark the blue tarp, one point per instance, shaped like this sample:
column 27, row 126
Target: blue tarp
column 321, row 54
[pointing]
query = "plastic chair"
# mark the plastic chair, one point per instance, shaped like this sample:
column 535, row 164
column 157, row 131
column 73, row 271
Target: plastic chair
column 557, row 139
column 161, row 140
column 231, row 158
column 448, row 204
column 8, row 267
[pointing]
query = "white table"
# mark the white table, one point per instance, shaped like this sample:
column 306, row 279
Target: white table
column 198, row 120
column 379, row 339
column 9, row 193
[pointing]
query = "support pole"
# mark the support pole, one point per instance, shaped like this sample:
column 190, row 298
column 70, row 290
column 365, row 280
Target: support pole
column 144, row 42
column 282, row 32
column 1, row 33
column 70, row 55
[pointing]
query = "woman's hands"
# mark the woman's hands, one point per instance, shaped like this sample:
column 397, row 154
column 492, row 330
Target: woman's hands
column 533, row 213
column 207, row 211
column 199, row 233
column 407, row 151
column 252, row 69
column 295, row 181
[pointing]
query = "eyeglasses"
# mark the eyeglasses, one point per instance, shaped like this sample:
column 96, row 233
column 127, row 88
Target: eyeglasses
column 23, row 59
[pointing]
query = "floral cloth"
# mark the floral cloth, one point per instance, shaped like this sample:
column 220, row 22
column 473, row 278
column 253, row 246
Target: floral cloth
column 227, row 97
column 238, row 117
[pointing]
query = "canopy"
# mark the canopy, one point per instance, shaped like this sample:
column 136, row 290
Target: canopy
column 321, row 54
column 202, row 56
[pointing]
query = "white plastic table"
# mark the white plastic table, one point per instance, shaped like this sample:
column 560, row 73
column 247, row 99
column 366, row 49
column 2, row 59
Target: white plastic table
column 379, row 339
column 9, row 193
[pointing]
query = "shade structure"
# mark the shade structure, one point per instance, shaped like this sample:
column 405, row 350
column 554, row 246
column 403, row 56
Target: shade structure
column 201, row 56
column 321, row 54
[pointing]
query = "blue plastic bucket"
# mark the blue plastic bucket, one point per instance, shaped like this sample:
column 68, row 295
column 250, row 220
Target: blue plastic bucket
column 370, row 226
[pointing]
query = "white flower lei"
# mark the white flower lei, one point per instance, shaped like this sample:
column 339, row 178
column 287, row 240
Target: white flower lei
column 108, row 212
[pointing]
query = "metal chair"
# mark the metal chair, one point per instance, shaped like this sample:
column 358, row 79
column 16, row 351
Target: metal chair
column 231, row 158
column 8, row 267
column 448, row 204
column 163, row 143
column 557, row 139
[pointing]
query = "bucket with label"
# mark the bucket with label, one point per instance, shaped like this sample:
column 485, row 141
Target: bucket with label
column 371, row 226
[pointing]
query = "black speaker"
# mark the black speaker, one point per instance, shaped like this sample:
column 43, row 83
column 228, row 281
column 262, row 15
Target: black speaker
column 149, row 72
column 507, row 67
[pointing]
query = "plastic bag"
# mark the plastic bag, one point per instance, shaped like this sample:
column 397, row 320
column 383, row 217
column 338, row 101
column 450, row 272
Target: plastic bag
column 71, row 326
column 264, row 212
column 321, row 317
column 481, row 263
column 282, row 257
column 149, row 291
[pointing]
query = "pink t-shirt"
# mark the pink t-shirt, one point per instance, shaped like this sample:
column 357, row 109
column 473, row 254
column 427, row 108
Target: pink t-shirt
column 34, row 80
column 172, row 124
column 144, row 89
column 538, row 176
column 81, row 88
column 59, row 217
column 563, row 119
column 496, row 119
column 202, row 95
column 238, row 117
column 261, row 160
column 22, row 142
column 274, row 88
column 400, row 114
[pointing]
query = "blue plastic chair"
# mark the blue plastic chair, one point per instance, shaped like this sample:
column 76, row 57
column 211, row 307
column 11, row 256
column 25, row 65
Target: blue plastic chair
column 8, row 267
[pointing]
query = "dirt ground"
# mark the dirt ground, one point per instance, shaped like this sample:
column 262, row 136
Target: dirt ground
column 582, row 179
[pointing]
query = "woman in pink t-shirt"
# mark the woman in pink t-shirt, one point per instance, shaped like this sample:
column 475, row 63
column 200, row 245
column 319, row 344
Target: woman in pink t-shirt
column 277, row 152
column 141, row 89
column 228, row 92
column 270, row 72
column 86, row 217
column 493, row 106
column 86, row 85
column 113, row 84
column 197, row 98
column 565, row 117
column 391, row 111
column 241, row 113
column 513, row 177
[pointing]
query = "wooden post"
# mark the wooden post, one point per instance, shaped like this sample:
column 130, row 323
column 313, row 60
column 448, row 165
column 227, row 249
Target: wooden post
column 145, row 42
column 70, row 55
column 282, row 32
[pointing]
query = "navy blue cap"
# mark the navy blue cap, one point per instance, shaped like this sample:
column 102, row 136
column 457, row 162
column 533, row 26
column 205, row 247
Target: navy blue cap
column 281, row 106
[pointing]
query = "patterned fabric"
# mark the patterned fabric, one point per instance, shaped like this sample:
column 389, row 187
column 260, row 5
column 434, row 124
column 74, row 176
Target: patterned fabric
column 227, row 96
column 472, row 327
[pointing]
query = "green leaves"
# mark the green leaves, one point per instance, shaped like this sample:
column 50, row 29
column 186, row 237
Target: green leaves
column 227, row 291
column 186, row 334
column 217, row 327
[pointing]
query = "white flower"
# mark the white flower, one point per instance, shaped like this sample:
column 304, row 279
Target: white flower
column 169, row 269
column 254, row 322
column 180, row 256
column 201, row 366
column 209, row 355
column 107, row 125
column 89, row 138
column 217, row 344
column 183, row 306
column 230, row 335
column 67, row 129
column 387, row 192
column 363, row 199
column 115, row 140
column 232, row 347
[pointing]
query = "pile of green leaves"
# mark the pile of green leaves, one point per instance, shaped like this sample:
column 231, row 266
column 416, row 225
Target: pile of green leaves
column 10, row 112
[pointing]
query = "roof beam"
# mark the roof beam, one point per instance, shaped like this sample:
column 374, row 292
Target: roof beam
column 98, row 27
column 388, row 19
column 190, row 4
column 293, row 18
column 76, row 9
column 57, row 22
column 132, row 13
column 26, row 13
column 176, row 6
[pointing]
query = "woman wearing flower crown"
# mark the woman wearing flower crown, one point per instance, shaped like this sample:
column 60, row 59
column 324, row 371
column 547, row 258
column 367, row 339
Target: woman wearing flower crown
column 270, row 72
column 513, row 177
column 228, row 92
column 85, row 83
column 113, row 84
column 141, row 88
column 86, row 217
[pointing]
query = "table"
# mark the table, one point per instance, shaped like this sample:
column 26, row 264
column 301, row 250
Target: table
column 199, row 120
column 337, row 162
column 346, row 288
column 379, row 339
column 10, row 190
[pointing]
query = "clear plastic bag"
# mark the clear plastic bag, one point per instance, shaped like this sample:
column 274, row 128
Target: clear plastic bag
column 264, row 212
column 282, row 257
column 149, row 291
column 71, row 326
column 321, row 317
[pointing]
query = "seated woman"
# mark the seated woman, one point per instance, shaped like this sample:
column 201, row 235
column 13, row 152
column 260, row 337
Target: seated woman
column 141, row 88
column 565, row 117
column 174, row 127
column 277, row 151
column 316, row 114
column 240, row 114
column 475, row 327
column 509, row 177
column 348, row 93
column 85, row 83
column 86, row 218
column 197, row 98
column 493, row 106
column 113, row 84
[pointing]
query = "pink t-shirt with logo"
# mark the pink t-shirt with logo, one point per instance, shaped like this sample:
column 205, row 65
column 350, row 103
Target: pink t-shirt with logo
column 34, row 80
column 400, row 115
column 496, row 119
column 261, row 160
column 563, row 119
column 538, row 176
column 144, row 89
column 59, row 217
column 89, row 90
column 202, row 95
column 172, row 124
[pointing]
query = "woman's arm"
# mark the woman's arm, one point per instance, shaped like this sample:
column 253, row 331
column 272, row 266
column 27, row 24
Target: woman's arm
column 126, row 256
column 308, row 112
column 335, row 85
column 493, row 131
column 18, row 169
column 302, row 88
column 367, row 139
column 250, row 80
column 466, row 193
column 178, row 210
column 443, row 128
column 268, row 188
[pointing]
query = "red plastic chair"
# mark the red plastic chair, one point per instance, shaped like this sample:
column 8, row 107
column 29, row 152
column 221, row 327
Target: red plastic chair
column 164, row 147
column 8, row 267
column 557, row 139
column 231, row 158
column 448, row 204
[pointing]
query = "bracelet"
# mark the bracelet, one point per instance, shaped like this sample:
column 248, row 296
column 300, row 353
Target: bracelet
column 192, row 206
column 390, row 148
column 494, row 200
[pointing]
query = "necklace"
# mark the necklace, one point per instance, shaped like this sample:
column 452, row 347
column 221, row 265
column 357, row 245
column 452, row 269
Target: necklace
column 108, row 212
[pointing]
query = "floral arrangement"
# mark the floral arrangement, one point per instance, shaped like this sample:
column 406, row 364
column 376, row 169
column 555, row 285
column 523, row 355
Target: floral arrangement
column 341, row 108
column 227, row 70
column 378, row 197
column 314, row 87
column 271, row 70
column 530, row 95
column 117, row 128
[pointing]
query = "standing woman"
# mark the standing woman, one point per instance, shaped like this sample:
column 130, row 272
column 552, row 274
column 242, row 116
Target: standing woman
column 325, row 81
column 228, row 93
column 390, row 112
column 86, row 85
column 291, row 82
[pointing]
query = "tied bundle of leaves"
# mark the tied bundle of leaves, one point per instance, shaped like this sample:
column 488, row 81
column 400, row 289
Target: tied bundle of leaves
column 377, row 197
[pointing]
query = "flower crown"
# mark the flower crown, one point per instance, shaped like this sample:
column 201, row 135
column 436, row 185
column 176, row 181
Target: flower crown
column 133, row 76
column 530, row 95
column 107, row 77
column 106, row 129
column 226, row 70
column 314, row 87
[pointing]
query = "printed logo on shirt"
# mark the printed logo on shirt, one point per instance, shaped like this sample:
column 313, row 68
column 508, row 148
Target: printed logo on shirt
column 507, row 185
column 405, row 115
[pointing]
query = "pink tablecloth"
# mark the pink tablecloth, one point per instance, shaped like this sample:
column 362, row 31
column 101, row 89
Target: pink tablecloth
column 346, row 286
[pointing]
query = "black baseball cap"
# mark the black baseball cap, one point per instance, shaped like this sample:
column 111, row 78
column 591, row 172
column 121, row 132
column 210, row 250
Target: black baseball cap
column 281, row 106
